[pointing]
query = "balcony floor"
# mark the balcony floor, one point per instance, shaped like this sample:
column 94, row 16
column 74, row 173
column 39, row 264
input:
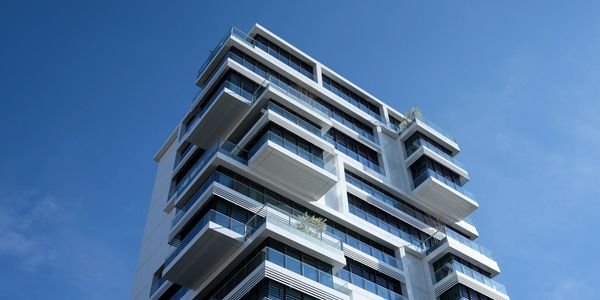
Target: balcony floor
column 212, row 124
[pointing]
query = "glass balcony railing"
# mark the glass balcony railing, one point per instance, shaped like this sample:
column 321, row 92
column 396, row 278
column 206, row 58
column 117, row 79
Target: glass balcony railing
column 224, row 147
column 421, row 142
column 403, row 126
column 350, row 97
column 311, row 103
column 253, row 43
column 318, row 107
column 238, row 59
column 210, row 216
column 367, row 163
column 376, row 253
column 294, row 222
column 250, row 96
column 301, row 98
column 325, row 163
column 391, row 201
column 180, row 293
column 278, row 258
column 156, row 285
column 394, row 127
column 299, row 267
column 361, row 132
column 469, row 221
column 417, row 243
column 455, row 266
column 213, row 53
column 183, row 155
column 285, row 60
column 238, row 277
column 211, row 76
column 471, row 244
column 294, row 119
column 431, row 173
column 185, row 181
column 275, row 211
column 368, row 285
column 436, row 128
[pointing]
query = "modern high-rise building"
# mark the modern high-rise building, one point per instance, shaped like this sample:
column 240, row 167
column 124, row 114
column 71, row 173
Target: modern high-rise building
column 284, row 180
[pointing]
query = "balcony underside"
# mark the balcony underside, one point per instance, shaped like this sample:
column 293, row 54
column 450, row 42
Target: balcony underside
column 444, row 200
column 209, row 249
column 218, row 119
column 289, row 170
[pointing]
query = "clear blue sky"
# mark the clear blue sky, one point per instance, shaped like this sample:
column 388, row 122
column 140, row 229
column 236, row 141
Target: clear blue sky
column 90, row 90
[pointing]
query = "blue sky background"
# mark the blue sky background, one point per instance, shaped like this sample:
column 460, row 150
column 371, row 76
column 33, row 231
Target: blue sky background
column 90, row 90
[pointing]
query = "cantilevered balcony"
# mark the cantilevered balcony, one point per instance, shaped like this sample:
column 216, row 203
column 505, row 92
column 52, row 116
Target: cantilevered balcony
column 205, row 246
column 290, row 226
column 189, row 179
column 313, row 105
column 299, row 126
column 456, row 273
column 208, row 124
column 277, row 223
column 356, row 249
column 295, row 119
column 460, row 246
column 369, row 285
column 436, row 188
column 292, row 166
column 236, row 37
column 274, row 219
column 430, row 129
column 420, row 147
column 168, row 290
column 297, row 97
column 276, row 265
column 416, row 243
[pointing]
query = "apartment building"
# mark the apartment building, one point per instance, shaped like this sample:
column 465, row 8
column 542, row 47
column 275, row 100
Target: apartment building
column 284, row 180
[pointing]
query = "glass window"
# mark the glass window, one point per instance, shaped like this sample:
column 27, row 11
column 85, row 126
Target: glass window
column 310, row 272
column 276, row 257
column 293, row 265
column 276, row 290
column 291, row 294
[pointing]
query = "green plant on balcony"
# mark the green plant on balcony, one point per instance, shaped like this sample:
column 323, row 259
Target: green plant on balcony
column 311, row 225
column 413, row 114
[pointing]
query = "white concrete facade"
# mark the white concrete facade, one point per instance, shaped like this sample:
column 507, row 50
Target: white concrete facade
column 273, row 142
